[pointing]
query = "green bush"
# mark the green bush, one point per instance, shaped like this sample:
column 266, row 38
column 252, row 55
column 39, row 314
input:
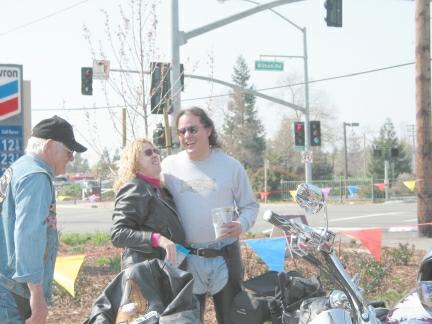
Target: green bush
column 78, row 239
column 114, row 262
column 101, row 238
column 71, row 189
column 74, row 239
column 401, row 255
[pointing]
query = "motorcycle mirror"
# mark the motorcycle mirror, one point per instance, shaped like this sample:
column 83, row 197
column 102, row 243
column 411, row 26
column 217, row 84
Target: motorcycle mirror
column 310, row 197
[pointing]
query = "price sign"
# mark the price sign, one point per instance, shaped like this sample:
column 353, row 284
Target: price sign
column 11, row 145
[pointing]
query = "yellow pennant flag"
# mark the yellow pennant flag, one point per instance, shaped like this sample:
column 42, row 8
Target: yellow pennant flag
column 66, row 271
column 293, row 193
column 410, row 184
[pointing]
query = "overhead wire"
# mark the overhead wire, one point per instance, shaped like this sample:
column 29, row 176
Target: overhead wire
column 37, row 20
column 262, row 89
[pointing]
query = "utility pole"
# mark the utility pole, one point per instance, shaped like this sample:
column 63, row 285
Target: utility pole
column 423, row 118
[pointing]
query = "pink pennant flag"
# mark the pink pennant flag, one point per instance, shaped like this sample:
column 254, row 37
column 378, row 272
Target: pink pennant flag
column 325, row 191
column 371, row 239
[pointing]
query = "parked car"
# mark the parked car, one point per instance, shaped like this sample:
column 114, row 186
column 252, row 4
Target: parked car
column 90, row 187
column 60, row 180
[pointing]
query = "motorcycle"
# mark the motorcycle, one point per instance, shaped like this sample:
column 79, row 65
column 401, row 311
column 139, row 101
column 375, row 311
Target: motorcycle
column 316, row 246
column 416, row 307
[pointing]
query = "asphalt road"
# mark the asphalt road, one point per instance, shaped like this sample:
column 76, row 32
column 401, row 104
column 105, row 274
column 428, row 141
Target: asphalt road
column 397, row 219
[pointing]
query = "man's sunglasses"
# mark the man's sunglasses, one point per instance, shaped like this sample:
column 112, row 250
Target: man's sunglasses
column 191, row 130
column 150, row 151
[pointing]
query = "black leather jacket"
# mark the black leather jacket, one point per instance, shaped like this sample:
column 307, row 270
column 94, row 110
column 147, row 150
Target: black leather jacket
column 138, row 212
column 161, row 292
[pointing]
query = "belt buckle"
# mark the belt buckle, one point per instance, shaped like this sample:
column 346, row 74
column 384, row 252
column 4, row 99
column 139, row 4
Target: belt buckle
column 200, row 252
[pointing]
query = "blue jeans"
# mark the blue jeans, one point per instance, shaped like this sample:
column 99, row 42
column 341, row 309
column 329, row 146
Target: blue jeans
column 8, row 310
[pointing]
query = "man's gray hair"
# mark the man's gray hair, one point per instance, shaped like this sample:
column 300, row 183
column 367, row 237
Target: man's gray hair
column 35, row 145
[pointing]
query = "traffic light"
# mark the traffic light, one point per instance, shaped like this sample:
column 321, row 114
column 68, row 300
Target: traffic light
column 159, row 136
column 299, row 134
column 160, row 88
column 87, row 81
column 315, row 131
column 334, row 13
column 377, row 153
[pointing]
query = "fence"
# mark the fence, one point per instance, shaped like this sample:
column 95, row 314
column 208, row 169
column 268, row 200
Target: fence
column 356, row 189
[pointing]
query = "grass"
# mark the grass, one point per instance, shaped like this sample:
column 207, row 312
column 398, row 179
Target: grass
column 78, row 239
column 113, row 262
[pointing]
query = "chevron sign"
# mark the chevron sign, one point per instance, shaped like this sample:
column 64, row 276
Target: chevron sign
column 10, row 91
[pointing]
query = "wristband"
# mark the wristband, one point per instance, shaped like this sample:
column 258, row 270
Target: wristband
column 155, row 238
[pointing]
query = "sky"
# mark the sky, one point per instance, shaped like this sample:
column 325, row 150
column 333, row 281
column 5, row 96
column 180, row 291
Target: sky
column 47, row 38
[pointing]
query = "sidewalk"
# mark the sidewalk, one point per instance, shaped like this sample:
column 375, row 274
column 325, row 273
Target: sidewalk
column 393, row 239
column 86, row 204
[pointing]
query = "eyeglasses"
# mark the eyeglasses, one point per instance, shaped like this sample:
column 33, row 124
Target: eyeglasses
column 150, row 151
column 69, row 152
column 191, row 129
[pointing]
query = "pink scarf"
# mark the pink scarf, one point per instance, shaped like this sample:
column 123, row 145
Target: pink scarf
column 154, row 182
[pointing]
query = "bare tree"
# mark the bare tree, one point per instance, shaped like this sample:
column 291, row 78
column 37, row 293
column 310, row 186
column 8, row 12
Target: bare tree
column 130, row 46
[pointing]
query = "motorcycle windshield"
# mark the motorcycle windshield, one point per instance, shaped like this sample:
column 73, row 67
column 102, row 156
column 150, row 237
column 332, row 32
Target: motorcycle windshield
column 330, row 316
column 424, row 291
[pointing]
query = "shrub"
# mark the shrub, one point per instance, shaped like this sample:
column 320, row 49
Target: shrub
column 113, row 262
column 401, row 255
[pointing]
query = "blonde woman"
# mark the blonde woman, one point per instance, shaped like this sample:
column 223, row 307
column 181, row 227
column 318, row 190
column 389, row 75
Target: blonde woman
column 145, row 222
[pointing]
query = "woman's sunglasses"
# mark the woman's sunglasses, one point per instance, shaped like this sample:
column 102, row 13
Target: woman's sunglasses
column 150, row 151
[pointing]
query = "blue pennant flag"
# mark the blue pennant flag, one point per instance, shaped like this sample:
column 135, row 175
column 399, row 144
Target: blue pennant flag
column 270, row 250
column 353, row 190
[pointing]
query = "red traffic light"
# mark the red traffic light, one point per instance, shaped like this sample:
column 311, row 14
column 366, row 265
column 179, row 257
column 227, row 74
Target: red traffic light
column 299, row 134
column 88, row 72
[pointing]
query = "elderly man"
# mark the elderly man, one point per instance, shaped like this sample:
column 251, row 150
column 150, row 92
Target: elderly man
column 28, row 233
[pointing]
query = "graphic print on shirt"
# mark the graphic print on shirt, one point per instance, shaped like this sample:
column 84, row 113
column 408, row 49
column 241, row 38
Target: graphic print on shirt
column 4, row 183
column 198, row 185
column 51, row 220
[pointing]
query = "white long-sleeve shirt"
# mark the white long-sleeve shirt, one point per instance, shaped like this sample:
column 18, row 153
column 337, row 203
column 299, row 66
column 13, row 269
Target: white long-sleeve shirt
column 200, row 186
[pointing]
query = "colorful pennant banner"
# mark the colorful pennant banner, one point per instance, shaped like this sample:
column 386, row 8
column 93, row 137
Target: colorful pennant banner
column 270, row 250
column 371, row 239
column 66, row 271
column 411, row 184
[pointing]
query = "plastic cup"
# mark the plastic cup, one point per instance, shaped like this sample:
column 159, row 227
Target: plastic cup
column 220, row 217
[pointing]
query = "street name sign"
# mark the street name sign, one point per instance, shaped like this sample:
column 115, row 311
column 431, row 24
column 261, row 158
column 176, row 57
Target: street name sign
column 269, row 66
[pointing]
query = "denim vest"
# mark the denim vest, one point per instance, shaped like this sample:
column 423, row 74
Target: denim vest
column 28, row 231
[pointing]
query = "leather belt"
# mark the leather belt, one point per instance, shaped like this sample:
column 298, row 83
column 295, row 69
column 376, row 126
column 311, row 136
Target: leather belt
column 206, row 253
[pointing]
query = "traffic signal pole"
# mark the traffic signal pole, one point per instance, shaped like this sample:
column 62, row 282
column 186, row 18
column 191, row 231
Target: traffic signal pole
column 176, row 42
column 307, row 144
column 308, row 164
column 179, row 38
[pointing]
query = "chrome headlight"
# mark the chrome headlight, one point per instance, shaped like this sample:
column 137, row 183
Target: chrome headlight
column 338, row 299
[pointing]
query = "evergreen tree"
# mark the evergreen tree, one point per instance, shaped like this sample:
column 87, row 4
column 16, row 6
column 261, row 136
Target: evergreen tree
column 243, row 133
column 387, row 147
column 281, row 153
